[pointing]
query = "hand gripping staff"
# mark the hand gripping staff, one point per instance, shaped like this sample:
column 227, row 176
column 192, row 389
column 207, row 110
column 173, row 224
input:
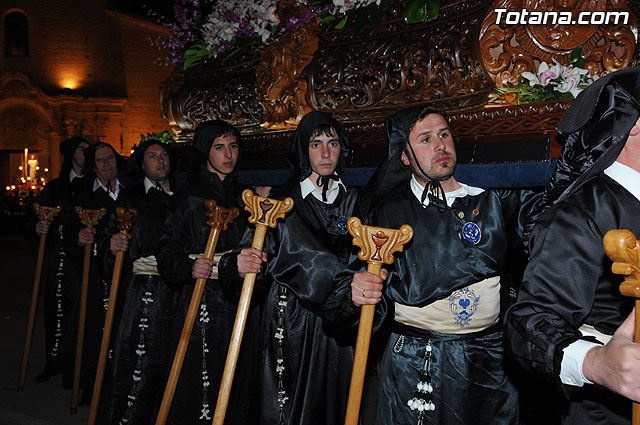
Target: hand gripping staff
column 89, row 218
column 46, row 214
column 264, row 213
column 125, row 220
column 377, row 246
column 219, row 219
column 624, row 250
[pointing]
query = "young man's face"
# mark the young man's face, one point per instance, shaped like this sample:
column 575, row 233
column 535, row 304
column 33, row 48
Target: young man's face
column 324, row 153
column 155, row 163
column 433, row 146
column 223, row 155
column 78, row 155
column 106, row 166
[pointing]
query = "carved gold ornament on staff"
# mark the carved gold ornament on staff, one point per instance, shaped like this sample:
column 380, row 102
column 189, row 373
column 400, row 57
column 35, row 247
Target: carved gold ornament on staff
column 624, row 250
column 46, row 214
column 125, row 219
column 89, row 218
column 219, row 220
column 377, row 246
column 264, row 214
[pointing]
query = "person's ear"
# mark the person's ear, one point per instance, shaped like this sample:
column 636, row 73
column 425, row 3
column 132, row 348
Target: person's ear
column 404, row 158
column 635, row 130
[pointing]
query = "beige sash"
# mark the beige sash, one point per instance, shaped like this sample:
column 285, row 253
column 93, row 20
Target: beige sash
column 146, row 266
column 470, row 309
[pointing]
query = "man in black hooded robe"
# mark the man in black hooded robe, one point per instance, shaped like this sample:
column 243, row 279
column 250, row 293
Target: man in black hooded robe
column 217, row 148
column 57, row 274
column 569, row 304
column 100, row 188
column 305, row 370
column 140, row 357
column 444, row 361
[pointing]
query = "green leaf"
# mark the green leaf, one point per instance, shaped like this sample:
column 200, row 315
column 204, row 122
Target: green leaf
column 327, row 19
column 363, row 15
column 342, row 22
column 375, row 14
column 434, row 10
column 195, row 54
column 415, row 11
column 576, row 55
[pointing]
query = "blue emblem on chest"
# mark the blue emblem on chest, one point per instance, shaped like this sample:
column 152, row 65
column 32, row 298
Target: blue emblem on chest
column 463, row 304
column 341, row 224
column 471, row 232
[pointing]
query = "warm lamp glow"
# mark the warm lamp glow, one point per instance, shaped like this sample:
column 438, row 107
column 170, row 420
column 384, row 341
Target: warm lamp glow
column 20, row 167
column 69, row 81
column 8, row 188
column 46, row 170
column 13, row 187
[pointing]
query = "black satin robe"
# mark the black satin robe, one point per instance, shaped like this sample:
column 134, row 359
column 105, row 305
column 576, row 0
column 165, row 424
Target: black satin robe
column 470, row 383
column 57, row 276
column 568, row 282
column 187, row 232
column 304, row 252
column 83, row 195
column 146, row 310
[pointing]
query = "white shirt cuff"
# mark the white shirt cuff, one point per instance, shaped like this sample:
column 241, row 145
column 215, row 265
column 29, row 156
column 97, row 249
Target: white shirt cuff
column 572, row 359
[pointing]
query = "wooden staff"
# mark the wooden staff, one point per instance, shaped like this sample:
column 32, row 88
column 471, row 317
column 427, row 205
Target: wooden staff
column 46, row 214
column 264, row 213
column 125, row 220
column 89, row 218
column 219, row 220
column 624, row 250
column 377, row 246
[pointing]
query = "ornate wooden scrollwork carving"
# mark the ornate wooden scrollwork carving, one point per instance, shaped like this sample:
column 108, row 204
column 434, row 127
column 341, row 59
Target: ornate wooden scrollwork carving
column 281, row 85
column 427, row 64
column 509, row 50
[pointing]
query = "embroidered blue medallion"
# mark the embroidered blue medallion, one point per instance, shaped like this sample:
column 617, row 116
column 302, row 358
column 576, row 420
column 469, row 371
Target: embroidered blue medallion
column 463, row 304
column 471, row 232
column 341, row 224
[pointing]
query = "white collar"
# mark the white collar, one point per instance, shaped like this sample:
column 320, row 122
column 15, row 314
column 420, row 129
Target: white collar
column 308, row 187
column 626, row 177
column 73, row 175
column 148, row 184
column 114, row 195
column 464, row 190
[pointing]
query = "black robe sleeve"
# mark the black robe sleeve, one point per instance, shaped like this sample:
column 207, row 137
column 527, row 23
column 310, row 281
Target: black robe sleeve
column 174, row 263
column 568, row 281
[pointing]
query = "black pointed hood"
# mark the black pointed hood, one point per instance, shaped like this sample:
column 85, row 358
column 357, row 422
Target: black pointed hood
column 67, row 150
column 594, row 130
column 298, row 160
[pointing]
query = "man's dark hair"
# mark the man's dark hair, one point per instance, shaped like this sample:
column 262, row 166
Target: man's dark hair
column 324, row 128
column 427, row 110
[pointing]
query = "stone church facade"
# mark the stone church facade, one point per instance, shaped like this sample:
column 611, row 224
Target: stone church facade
column 74, row 68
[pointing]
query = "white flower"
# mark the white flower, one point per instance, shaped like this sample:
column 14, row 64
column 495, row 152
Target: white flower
column 544, row 76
